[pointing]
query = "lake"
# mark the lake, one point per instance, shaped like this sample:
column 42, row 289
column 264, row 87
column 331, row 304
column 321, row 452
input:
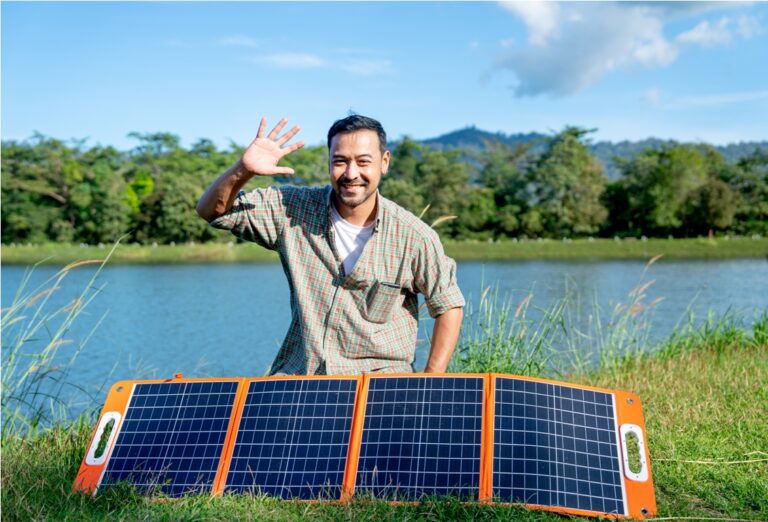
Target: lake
column 229, row 320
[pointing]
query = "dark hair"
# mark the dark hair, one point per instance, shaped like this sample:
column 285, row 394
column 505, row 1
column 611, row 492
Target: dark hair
column 356, row 122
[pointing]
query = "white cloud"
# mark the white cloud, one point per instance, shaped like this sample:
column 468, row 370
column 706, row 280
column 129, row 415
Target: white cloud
column 573, row 45
column 716, row 100
column 351, row 65
column 707, row 35
column 239, row 41
column 541, row 18
column 652, row 96
column 363, row 67
column 748, row 27
column 507, row 42
column 293, row 60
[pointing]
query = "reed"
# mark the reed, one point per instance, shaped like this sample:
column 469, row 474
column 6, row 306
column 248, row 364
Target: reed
column 37, row 353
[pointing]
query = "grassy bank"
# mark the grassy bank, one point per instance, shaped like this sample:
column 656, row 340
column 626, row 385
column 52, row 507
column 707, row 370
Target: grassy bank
column 719, row 248
column 704, row 396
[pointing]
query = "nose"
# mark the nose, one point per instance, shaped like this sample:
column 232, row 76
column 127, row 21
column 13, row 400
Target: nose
column 352, row 172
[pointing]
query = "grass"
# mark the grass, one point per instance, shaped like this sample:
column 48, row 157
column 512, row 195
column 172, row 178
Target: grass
column 701, row 248
column 718, row 248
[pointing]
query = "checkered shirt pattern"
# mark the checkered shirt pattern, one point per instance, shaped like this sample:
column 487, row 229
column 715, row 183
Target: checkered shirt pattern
column 364, row 321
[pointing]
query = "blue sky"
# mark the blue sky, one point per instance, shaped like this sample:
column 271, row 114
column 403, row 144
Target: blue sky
column 687, row 71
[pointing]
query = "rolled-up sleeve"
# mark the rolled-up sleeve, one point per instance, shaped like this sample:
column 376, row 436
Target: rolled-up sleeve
column 256, row 216
column 435, row 277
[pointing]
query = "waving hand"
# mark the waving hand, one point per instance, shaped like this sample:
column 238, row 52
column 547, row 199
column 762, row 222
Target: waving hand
column 263, row 154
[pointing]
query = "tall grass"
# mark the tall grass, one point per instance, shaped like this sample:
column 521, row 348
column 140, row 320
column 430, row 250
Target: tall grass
column 574, row 336
column 38, row 353
column 500, row 337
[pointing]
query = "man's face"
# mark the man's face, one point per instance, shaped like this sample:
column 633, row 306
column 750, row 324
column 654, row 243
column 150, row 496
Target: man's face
column 356, row 166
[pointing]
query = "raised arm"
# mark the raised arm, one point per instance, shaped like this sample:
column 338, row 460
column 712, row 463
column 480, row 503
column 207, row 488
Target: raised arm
column 259, row 159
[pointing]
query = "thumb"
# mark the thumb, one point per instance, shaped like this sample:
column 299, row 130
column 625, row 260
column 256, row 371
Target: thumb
column 283, row 170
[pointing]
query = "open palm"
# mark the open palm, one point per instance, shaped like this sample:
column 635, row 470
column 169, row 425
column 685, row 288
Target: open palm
column 263, row 154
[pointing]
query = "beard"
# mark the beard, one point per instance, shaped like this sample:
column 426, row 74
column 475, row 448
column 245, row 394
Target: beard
column 356, row 199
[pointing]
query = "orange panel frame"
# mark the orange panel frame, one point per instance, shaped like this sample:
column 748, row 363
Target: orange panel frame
column 89, row 475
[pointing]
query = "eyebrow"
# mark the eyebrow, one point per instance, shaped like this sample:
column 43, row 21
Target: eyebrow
column 342, row 156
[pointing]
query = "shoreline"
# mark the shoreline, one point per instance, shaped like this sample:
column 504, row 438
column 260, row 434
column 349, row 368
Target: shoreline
column 508, row 250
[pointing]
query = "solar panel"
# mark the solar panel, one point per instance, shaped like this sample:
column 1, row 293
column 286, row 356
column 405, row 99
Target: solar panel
column 556, row 446
column 421, row 436
column 487, row 437
column 293, row 438
column 172, row 437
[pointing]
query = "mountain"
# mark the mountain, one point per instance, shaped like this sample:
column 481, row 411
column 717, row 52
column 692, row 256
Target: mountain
column 474, row 138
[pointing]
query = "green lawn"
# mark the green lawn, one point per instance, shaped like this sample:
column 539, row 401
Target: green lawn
column 718, row 248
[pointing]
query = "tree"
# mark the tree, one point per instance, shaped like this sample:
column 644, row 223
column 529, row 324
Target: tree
column 563, row 188
column 657, row 185
column 711, row 206
column 749, row 179
column 420, row 176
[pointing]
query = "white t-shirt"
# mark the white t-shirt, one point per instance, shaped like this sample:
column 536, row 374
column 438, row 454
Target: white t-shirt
column 350, row 239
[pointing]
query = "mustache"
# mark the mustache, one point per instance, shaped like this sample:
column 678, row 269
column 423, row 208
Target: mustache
column 349, row 183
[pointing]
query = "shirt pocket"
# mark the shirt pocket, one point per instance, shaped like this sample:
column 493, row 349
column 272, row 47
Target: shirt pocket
column 380, row 302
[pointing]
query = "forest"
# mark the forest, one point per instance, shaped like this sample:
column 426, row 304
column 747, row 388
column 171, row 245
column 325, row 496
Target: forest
column 67, row 192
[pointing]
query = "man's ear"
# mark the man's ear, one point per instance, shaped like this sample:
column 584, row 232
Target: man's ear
column 385, row 162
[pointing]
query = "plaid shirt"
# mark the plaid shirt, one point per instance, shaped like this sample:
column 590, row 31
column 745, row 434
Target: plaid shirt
column 364, row 321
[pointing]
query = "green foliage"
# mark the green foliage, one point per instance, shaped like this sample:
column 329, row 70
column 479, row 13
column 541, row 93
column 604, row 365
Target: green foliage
column 552, row 187
column 677, row 189
column 564, row 186
column 420, row 176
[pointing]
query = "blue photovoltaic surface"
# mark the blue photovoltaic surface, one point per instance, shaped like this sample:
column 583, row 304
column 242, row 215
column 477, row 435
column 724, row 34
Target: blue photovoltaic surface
column 421, row 436
column 556, row 446
column 172, row 437
column 294, row 438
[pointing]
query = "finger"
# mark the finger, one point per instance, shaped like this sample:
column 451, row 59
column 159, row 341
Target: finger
column 273, row 134
column 262, row 128
column 288, row 135
column 283, row 170
column 293, row 147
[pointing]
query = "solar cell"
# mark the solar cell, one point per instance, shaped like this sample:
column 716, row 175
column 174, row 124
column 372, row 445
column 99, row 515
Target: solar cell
column 421, row 436
column 171, row 437
column 556, row 445
column 293, row 438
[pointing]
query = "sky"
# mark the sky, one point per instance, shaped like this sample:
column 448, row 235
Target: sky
column 97, row 71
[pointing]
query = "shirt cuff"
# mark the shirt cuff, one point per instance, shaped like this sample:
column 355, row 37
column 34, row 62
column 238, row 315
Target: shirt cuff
column 450, row 298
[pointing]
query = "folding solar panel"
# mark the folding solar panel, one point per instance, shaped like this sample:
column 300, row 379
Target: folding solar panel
column 487, row 437
column 421, row 435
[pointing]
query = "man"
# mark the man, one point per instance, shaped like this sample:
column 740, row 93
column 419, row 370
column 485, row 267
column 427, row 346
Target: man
column 354, row 260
